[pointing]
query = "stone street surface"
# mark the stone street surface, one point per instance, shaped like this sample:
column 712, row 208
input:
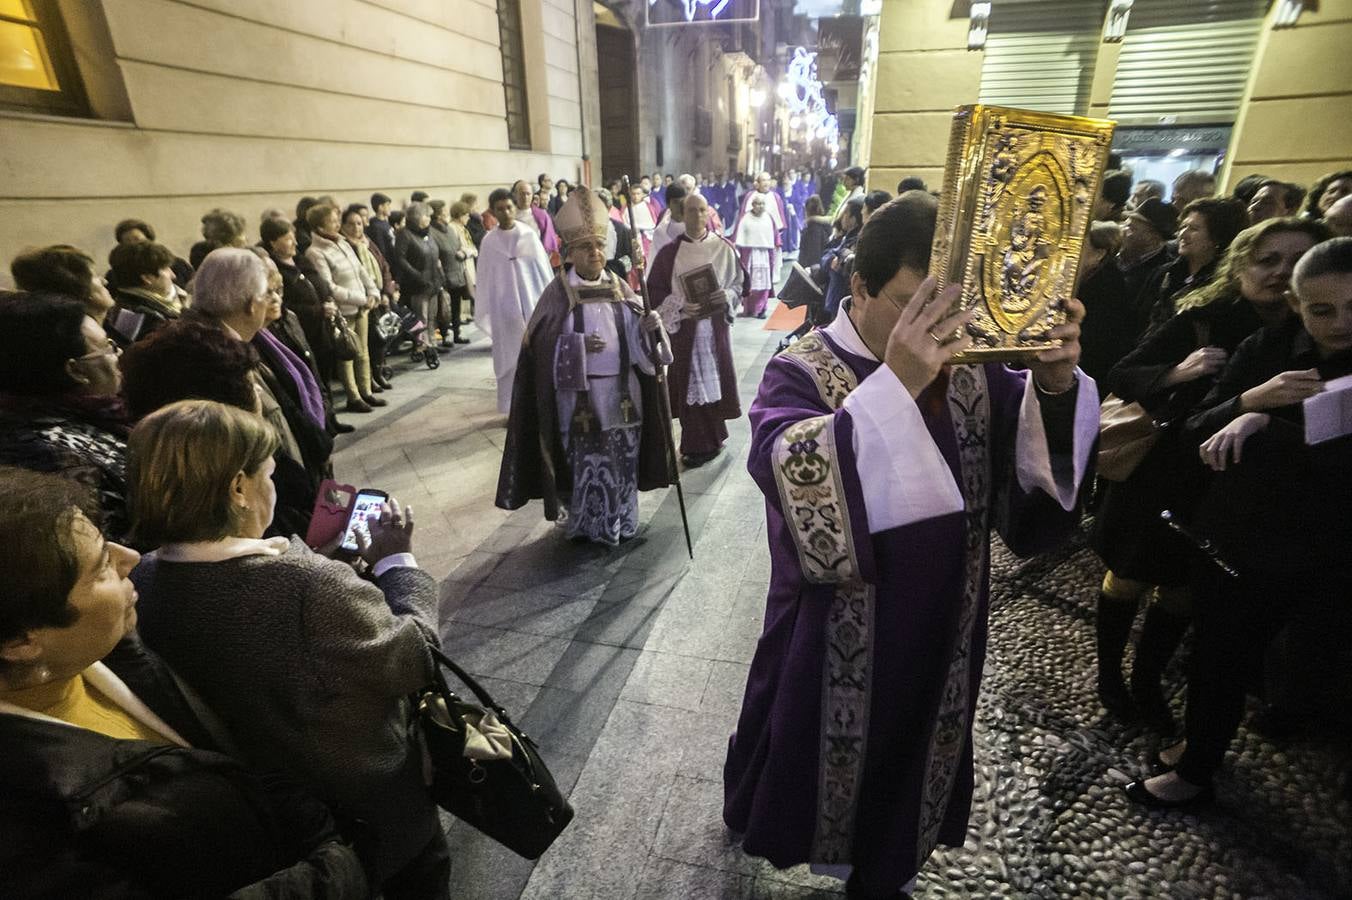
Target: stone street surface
column 627, row 666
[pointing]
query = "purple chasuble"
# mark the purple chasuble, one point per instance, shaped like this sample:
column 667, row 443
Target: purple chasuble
column 853, row 746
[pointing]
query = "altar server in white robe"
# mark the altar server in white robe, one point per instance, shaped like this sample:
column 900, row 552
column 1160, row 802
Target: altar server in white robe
column 513, row 272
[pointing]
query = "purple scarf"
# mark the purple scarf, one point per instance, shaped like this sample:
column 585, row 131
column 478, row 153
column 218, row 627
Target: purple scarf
column 310, row 398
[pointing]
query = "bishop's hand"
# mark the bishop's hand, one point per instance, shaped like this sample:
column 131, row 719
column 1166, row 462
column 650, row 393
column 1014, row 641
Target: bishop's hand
column 928, row 334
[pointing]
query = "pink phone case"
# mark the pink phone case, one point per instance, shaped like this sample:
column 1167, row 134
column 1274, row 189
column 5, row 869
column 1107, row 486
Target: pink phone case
column 330, row 513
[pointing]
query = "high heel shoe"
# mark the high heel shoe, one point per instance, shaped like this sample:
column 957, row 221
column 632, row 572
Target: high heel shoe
column 1137, row 792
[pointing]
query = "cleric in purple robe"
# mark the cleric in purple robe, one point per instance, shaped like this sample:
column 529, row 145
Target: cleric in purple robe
column 696, row 283
column 853, row 748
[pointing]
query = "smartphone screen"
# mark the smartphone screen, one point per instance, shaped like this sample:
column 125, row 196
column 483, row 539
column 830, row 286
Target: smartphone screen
column 367, row 506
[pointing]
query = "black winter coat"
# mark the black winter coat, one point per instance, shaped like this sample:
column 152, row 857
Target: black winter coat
column 1109, row 329
column 812, row 242
column 1282, row 510
column 85, row 815
column 415, row 265
column 1127, row 532
column 300, row 295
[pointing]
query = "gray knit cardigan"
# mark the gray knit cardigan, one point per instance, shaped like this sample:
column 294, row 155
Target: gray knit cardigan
column 309, row 666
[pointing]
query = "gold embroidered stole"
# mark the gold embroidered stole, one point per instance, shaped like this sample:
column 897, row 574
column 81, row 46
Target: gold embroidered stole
column 816, row 508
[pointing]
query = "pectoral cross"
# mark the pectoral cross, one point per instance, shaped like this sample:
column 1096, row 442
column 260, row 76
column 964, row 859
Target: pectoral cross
column 582, row 416
column 628, row 414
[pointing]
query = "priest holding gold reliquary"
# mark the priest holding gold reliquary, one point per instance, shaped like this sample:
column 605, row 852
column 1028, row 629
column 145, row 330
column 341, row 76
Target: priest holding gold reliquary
column 888, row 445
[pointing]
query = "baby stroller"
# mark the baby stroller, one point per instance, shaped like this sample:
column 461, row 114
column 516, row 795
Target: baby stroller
column 402, row 324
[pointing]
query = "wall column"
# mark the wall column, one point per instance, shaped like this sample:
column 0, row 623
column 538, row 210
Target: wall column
column 1293, row 123
column 924, row 70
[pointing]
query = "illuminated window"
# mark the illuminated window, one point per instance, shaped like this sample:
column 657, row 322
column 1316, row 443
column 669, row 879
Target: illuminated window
column 37, row 73
column 514, row 73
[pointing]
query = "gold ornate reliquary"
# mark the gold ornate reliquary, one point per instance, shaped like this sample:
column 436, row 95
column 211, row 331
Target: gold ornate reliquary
column 1018, row 196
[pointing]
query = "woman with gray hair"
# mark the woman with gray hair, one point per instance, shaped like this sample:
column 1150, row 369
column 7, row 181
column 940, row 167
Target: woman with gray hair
column 220, row 228
column 237, row 297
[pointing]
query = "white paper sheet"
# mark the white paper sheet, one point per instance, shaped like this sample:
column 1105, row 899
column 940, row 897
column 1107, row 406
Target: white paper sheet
column 1328, row 415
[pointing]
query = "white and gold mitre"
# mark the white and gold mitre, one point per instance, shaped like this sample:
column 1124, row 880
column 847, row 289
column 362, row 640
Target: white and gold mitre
column 581, row 217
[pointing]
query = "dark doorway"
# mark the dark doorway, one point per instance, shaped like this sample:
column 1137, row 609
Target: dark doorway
column 619, row 102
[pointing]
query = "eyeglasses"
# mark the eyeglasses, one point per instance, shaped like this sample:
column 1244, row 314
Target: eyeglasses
column 110, row 349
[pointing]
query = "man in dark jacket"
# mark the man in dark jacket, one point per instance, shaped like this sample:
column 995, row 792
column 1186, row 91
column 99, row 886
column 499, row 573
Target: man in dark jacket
column 1145, row 244
column 378, row 229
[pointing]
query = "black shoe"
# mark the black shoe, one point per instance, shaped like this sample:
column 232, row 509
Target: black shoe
column 343, row 427
column 356, row 406
column 853, row 891
column 762, row 314
column 376, row 388
column 375, row 401
column 445, row 342
column 1137, row 792
column 461, row 340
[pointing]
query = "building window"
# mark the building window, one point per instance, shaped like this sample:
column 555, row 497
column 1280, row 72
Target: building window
column 37, row 71
column 513, row 73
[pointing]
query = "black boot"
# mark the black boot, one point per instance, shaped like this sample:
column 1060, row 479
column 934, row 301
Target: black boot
column 1160, row 637
column 1112, row 628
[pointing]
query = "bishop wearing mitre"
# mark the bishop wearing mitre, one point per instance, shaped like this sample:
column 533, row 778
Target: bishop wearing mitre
column 585, row 433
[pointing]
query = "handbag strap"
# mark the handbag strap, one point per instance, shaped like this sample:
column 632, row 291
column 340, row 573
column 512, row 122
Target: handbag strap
column 468, row 680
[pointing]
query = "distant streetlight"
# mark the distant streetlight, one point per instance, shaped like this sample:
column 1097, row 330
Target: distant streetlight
column 757, row 98
column 795, row 122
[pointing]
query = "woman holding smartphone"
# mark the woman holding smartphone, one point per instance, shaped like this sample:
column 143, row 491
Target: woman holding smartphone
column 308, row 661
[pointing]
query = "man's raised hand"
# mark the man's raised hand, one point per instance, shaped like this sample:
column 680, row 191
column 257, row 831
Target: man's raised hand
column 928, row 334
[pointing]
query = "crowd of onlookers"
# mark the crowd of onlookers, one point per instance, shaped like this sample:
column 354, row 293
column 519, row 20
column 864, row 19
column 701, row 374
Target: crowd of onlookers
column 250, row 693
column 1210, row 320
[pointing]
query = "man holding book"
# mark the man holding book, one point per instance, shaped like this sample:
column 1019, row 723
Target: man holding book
column 696, row 283
column 885, row 466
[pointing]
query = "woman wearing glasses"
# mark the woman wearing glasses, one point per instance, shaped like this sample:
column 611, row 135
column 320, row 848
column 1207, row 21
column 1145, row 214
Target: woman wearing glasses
column 59, row 405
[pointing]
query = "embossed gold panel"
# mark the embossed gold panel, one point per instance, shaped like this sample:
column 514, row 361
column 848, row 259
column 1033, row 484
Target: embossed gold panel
column 1018, row 196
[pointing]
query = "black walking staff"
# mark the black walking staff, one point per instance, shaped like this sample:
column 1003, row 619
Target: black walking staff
column 663, row 399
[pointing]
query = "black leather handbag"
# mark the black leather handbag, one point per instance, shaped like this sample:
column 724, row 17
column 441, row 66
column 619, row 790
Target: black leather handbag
column 345, row 346
column 514, row 801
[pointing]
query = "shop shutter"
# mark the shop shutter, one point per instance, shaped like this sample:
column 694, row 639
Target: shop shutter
column 1040, row 54
column 1188, row 59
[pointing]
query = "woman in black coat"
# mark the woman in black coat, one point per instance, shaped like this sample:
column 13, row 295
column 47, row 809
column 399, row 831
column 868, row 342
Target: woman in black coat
column 816, row 233
column 1169, row 374
column 1206, row 228
column 1276, row 513
column 113, row 783
column 417, row 267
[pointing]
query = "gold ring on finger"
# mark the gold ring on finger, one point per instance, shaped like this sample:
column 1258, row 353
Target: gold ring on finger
column 938, row 340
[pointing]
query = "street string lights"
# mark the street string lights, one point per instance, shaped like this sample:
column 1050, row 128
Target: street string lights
column 692, row 7
column 801, row 91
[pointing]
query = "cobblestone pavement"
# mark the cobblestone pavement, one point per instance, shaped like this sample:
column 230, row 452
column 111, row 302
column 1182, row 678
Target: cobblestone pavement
column 628, row 666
